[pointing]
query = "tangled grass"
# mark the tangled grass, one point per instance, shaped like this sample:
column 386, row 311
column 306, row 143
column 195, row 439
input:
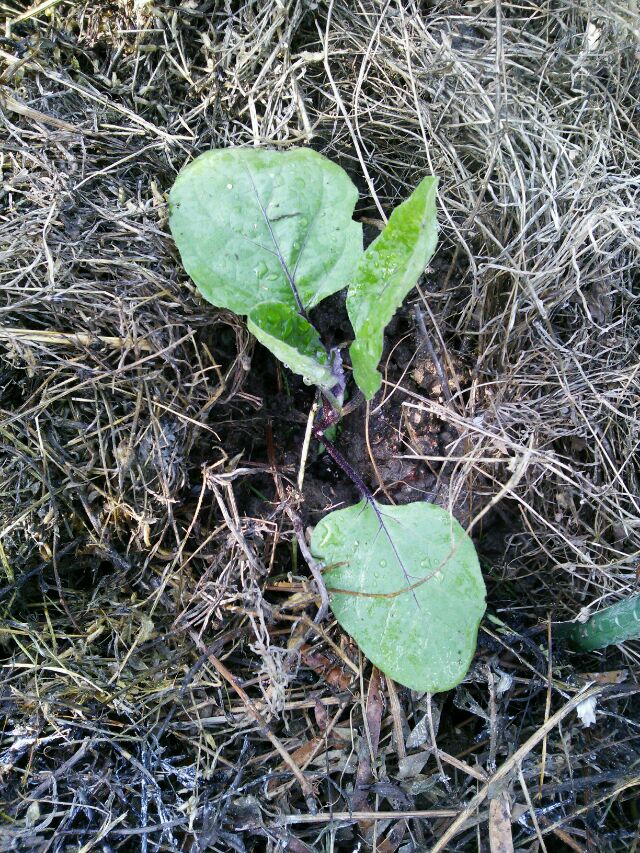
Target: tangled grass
column 164, row 686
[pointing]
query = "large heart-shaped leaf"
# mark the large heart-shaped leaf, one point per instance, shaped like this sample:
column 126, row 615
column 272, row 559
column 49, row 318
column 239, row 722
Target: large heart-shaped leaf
column 293, row 340
column 386, row 272
column 410, row 594
column 256, row 226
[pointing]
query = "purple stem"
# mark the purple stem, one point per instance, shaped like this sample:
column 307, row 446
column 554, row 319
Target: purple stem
column 330, row 417
column 276, row 246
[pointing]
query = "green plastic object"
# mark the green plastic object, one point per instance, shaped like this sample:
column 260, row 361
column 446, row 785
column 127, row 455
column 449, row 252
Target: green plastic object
column 292, row 340
column 248, row 222
column 385, row 274
column 422, row 632
column 613, row 625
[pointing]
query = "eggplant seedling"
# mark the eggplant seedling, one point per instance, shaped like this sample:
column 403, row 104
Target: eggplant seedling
column 269, row 235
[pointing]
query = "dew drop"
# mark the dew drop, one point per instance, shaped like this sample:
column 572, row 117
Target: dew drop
column 272, row 276
column 306, row 380
column 229, row 186
column 383, row 564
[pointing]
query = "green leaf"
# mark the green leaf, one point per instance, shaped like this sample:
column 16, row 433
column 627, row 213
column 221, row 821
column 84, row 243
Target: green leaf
column 387, row 271
column 293, row 340
column 423, row 635
column 249, row 222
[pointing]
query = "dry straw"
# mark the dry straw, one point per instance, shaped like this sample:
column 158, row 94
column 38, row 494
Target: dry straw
column 151, row 600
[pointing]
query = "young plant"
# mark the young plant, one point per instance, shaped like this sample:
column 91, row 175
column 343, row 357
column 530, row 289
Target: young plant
column 269, row 235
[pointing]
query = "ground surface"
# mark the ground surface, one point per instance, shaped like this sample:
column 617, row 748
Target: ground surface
column 149, row 449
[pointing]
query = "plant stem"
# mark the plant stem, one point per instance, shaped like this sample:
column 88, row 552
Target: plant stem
column 329, row 418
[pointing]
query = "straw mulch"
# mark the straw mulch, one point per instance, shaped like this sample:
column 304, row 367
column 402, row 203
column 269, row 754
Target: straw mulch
column 164, row 686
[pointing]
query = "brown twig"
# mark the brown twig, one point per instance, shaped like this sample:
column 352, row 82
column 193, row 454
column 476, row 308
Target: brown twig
column 256, row 716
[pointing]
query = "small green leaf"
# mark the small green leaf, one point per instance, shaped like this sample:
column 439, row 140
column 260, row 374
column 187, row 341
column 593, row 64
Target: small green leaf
column 293, row 340
column 387, row 271
column 250, row 222
column 423, row 635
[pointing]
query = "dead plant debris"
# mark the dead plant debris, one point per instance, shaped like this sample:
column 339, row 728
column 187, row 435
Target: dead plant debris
column 165, row 687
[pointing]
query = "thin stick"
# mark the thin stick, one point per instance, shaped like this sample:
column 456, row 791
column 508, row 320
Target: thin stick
column 433, row 355
column 253, row 712
column 532, row 811
column 426, row 814
column 314, row 567
column 506, row 769
column 436, row 751
column 340, row 104
column 73, row 339
column 547, row 706
column 396, row 717
column 31, row 13
column 305, row 445
column 10, row 103
column 372, row 457
column 237, row 534
column 316, row 749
